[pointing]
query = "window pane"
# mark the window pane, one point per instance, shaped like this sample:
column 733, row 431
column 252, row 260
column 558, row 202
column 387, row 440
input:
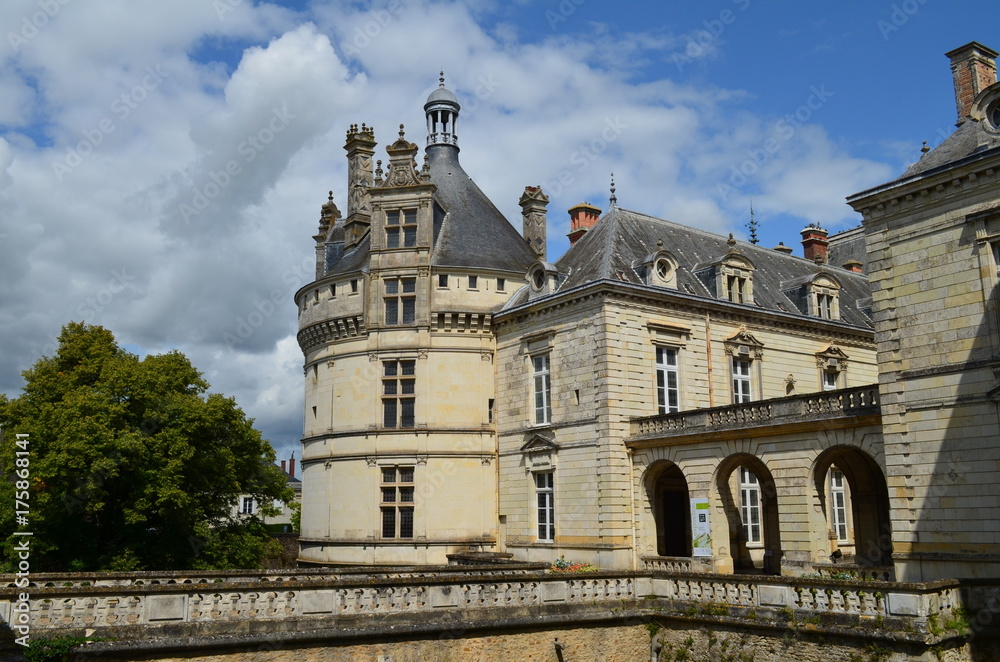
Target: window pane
column 388, row 474
column 388, row 522
column 410, row 216
column 390, row 368
column 388, row 495
column 389, row 386
column 501, row 283
column 406, row 418
column 389, row 413
column 406, row 386
column 409, row 236
column 392, row 218
column 392, row 311
column 409, row 310
column 406, row 522
column 406, row 495
column 392, row 238
column 391, row 286
column 409, row 285
column 473, row 282
column 406, row 474
column 409, row 367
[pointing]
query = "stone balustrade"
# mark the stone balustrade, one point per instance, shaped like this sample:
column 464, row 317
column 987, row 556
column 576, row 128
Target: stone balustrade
column 857, row 401
column 157, row 611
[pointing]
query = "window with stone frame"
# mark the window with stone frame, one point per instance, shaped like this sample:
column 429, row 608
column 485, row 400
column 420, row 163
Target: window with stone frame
column 742, row 389
column 734, row 277
column 396, row 501
column 823, row 294
column 832, row 364
column 398, row 393
column 400, row 301
column 401, row 228
column 667, row 380
column 545, row 505
column 541, row 389
column 830, row 380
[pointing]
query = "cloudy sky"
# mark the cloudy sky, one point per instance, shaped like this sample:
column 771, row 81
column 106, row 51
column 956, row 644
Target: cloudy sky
column 162, row 164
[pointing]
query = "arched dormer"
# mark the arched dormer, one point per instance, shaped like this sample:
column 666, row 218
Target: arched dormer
column 817, row 295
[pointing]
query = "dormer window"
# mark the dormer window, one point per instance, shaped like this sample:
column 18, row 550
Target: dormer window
column 823, row 294
column 659, row 269
column 731, row 276
column 401, row 228
column 538, row 278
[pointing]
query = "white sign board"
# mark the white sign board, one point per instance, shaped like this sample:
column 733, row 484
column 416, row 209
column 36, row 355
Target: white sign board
column 701, row 530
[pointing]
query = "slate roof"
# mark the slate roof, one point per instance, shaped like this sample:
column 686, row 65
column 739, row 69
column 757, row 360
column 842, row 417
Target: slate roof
column 473, row 232
column 469, row 231
column 616, row 247
column 970, row 137
column 848, row 245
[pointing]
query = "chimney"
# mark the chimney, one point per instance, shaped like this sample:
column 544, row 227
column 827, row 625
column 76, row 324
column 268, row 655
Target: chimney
column 283, row 467
column 814, row 243
column 291, row 465
column 974, row 68
column 533, row 203
column 581, row 218
column 853, row 266
column 360, row 147
column 781, row 248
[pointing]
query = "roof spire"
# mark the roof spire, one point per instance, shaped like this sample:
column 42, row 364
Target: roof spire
column 614, row 199
column 753, row 226
column 441, row 79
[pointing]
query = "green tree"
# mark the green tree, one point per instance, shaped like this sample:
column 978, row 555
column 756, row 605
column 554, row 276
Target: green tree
column 133, row 465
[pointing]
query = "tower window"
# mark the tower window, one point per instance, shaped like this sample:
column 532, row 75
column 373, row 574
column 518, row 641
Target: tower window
column 398, row 394
column 501, row 284
column 400, row 301
column 442, row 280
column 396, row 502
column 473, row 282
column 401, row 228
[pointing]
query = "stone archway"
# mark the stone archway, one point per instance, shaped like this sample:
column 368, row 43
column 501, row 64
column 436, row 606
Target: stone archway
column 667, row 492
column 749, row 500
column 868, row 502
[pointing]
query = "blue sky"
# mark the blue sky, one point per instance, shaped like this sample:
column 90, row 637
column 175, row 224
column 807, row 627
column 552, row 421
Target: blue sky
column 118, row 122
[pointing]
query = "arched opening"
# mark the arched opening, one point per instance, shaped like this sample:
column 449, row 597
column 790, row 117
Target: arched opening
column 668, row 495
column 855, row 498
column 750, row 503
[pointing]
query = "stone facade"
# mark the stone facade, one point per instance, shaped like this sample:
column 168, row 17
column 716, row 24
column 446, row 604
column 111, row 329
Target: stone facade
column 933, row 255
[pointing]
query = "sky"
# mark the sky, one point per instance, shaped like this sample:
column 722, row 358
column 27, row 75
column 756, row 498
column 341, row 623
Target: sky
column 163, row 164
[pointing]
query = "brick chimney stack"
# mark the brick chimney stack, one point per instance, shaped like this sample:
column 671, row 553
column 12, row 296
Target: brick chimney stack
column 814, row 243
column 291, row 465
column 974, row 68
column 283, row 467
column 582, row 217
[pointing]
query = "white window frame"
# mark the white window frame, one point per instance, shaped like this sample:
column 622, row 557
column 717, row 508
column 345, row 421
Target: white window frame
column 750, row 507
column 541, row 389
column 249, row 506
column 668, row 397
column 741, row 368
column 830, row 380
column 838, row 505
column 545, row 510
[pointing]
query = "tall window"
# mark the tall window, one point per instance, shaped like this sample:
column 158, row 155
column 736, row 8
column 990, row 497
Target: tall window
column 824, row 305
column 401, row 228
column 667, row 391
column 736, row 288
column 400, row 301
column 247, row 507
column 750, row 505
column 545, row 499
column 829, row 380
column 398, row 390
column 542, row 389
column 838, row 501
column 397, row 502
column 741, row 380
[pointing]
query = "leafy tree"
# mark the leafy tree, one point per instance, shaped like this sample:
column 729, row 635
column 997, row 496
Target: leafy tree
column 133, row 465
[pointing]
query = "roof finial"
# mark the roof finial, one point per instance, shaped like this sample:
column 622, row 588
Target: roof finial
column 925, row 148
column 731, row 241
column 613, row 200
column 441, row 79
column 330, row 199
column 752, row 225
